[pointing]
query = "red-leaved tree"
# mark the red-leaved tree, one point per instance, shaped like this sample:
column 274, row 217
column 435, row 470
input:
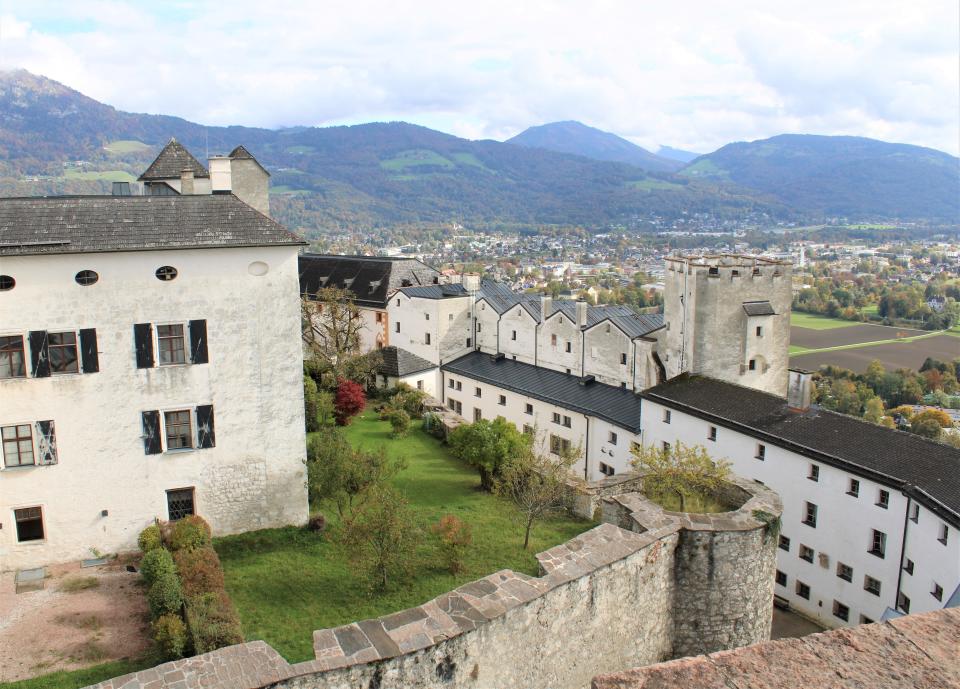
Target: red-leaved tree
column 349, row 402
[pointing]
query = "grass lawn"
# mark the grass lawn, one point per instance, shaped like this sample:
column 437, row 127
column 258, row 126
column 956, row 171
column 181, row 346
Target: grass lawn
column 288, row 582
column 416, row 158
column 105, row 175
column 818, row 322
column 81, row 678
column 797, row 349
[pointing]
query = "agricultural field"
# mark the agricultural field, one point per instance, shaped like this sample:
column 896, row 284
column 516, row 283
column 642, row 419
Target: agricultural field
column 857, row 333
column 126, row 146
column 99, row 175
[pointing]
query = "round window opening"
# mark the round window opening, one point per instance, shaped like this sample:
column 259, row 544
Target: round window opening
column 166, row 273
column 6, row 283
column 86, row 277
column 258, row 268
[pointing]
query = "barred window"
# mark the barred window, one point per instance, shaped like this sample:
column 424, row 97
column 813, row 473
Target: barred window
column 180, row 503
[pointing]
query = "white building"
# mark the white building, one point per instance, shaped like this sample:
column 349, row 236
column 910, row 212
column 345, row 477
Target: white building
column 150, row 367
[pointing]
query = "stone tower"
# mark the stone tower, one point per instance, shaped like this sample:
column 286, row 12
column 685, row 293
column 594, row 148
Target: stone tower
column 241, row 175
column 728, row 317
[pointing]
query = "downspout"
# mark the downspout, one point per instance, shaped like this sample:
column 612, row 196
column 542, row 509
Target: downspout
column 903, row 550
column 586, row 451
column 443, row 388
column 633, row 364
column 583, row 352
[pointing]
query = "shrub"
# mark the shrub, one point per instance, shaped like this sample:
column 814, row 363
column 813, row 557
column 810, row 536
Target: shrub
column 317, row 523
column 310, row 393
column 165, row 595
column 349, row 402
column 190, row 532
column 200, row 571
column 156, row 564
column 150, row 539
column 455, row 537
column 213, row 622
column 399, row 422
column 409, row 399
column 170, row 634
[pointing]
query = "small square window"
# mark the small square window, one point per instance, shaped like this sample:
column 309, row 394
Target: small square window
column 477, row 415
column 477, row 392
column 556, row 417
column 878, row 543
column 502, row 401
column 814, row 474
column 666, row 416
column 854, row 488
column 528, row 408
column 179, row 430
column 944, row 534
column 426, row 316
column 871, row 585
column 397, row 326
column 712, row 433
column 937, row 591
column 759, row 331
column 180, row 503
column 426, row 338
column 806, row 553
column 606, row 469
column 903, row 603
column 781, row 578
column 623, row 359
column 566, row 420
column 459, row 385
column 612, row 438
column 752, row 365
column 845, row 572
column 761, row 452
column 810, row 514
column 908, row 566
column 803, row 590
column 841, row 611
column 513, row 335
column 784, row 543
column 29, row 522
column 915, row 513
column 569, row 349
column 883, row 499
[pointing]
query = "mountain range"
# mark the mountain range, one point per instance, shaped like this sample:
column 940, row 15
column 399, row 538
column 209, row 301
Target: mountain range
column 54, row 139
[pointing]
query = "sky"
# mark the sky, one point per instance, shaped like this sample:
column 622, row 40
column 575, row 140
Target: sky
column 691, row 74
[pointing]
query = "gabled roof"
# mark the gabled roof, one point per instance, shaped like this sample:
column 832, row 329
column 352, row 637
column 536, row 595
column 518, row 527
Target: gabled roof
column 173, row 160
column 89, row 224
column 928, row 470
column 631, row 323
column 619, row 406
column 371, row 279
column 241, row 153
column 758, row 308
column 397, row 363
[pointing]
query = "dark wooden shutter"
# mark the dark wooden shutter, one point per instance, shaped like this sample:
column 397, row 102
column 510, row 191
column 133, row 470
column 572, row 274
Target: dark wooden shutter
column 198, row 342
column 151, row 433
column 205, row 432
column 39, row 354
column 143, row 339
column 89, row 357
column 46, row 443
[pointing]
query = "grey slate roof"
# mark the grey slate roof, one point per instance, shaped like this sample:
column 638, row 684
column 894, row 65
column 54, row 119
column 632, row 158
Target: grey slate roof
column 90, row 224
column 928, row 470
column 397, row 362
column 617, row 405
column 372, row 279
column 758, row 308
column 173, row 160
column 435, row 291
column 241, row 153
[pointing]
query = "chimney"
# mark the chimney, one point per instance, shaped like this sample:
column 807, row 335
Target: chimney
column 220, row 179
column 470, row 282
column 186, row 182
column 546, row 303
column 799, row 383
column 582, row 313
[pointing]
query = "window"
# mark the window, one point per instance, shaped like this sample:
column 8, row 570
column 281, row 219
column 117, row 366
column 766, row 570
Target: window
column 450, row 383
column 166, row 273
column 623, row 359
column 569, row 347
column 426, row 316
column 450, row 317
column 476, row 392
column 559, row 445
column 179, row 503
column 568, row 371
column 29, row 522
column 752, row 365
column 803, row 590
column 606, row 469
column 759, row 331
column 62, row 350
column 477, row 414
column 398, row 301
column 86, row 278
column 810, row 514
column 479, row 328
column 734, row 273
column 426, row 338
column 845, row 572
column 883, row 499
column 814, row 474
column 513, row 334
column 915, row 513
column 871, row 585
column 502, row 401
column 854, row 488
column 170, row 345
column 566, row 421
column 179, row 433
column 908, row 566
column 761, row 451
column 469, row 342
column 527, row 430
column 937, row 591
column 634, row 447
column 420, row 385
column 944, row 532
column 781, row 578
column 556, row 417
column 903, row 603
column 666, row 416
column 11, row 357
column 840, row 610
column 553, row 340
column 612, row 438
column 396, row 326
column 712, row 433
column 806, row 553
column 17, row 445
column 784, row 543
column 7, row 283
column 665, row 447
column 878, row 543
column 459, row 385
column 623, row 385
column 528, row 408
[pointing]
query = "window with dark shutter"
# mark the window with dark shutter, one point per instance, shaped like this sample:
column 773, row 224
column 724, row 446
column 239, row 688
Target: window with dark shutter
column 89, row 356
column 151, row 432
column 198, row 342
column 143, row 339
column 39, row 354
column 46, row 443
column 205, row 430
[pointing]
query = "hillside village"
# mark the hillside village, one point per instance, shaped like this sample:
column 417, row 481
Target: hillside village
column 153, row 353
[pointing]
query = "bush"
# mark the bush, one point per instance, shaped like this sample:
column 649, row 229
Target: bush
column 170, row 634
column 310, row 393
column 317, row 523
column 213, row 622
column 150, row 539
column 165, row 596
column 349, row 402
column 200, row 571
column 408, row 399
column 455, row 537
column 399, row 422
column 156, row 564
column 190, row 532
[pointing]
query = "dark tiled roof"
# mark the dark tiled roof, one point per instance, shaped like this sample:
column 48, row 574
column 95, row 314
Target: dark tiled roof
column 758, row 308
column 372, row 279
column 617, row 405
column 173, row 160
column 632, row 323
column 88, row 224
column 397, row 362
column 893, row 457
column 435, row 291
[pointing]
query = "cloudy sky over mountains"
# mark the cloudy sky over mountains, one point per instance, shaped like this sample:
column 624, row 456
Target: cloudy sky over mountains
column 694, row 75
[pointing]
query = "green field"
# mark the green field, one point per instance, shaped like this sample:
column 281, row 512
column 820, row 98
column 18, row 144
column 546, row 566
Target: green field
column 416, row 158
column 100, row 175
column 299, row 150
column 288, row 582
column 288, row 190
column 125, row 146
column 650, row 184
column 469, row 159
column 817, row 322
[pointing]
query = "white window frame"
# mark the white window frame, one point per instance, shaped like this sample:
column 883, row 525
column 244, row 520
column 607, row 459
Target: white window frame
column 33, row 443
column 191, row 409
column 186, row 342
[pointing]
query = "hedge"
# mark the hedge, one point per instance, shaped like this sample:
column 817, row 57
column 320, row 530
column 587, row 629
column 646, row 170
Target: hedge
column 188, row 533
column 200, row 571
column 156, row 564
column 212, row 622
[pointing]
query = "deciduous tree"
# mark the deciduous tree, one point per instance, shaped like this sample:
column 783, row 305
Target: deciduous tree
column 489, row 446
column 381, row 537
column 331, row 326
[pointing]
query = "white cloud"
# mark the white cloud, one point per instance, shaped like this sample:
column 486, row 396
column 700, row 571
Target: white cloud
column 693, row 75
